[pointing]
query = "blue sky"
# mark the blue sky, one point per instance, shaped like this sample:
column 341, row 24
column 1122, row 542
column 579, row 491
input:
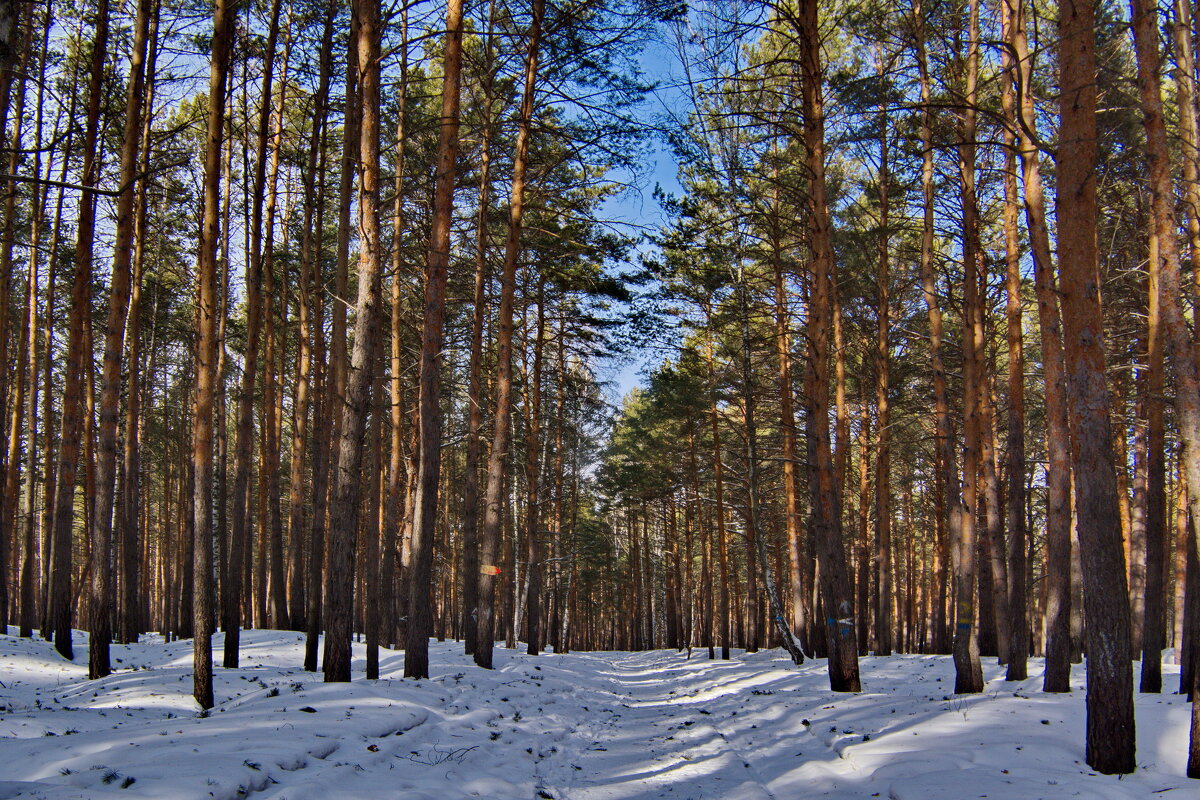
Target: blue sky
column 637, row 206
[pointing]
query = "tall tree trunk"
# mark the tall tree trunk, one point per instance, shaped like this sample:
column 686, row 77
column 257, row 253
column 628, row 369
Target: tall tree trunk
column 753, row 514
column 420, row 614
column 1162, row 247
column 372, row 530
column 723, row 607
column 9, row 459
column 240, row 529
column 946, row 458
column 502, row 424
column 206, row 358
column 100, row 600
column 1110, row 724
column 995, row 569
column 883, row 358
column 50, row 550
column 28, row 569
column 272, row 590
column 1153, row 548
column 1189, row 126
column 10, row 54
column 1018, row 643
column 470, row 521
column 555, row 443
column 310, row 252
column 863, row 579
column 533, row 472
column 131, row 621
column 344, row 508
column 787, row 428
column 1179, row 345
column 396, row 472
column 836, row 591
column 77, row 358
column 324, row 481
column 31, row 576
column 1057, row 618
column 968, row 672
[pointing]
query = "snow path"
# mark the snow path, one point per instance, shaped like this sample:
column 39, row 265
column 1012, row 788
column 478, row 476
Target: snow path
column 581, row 726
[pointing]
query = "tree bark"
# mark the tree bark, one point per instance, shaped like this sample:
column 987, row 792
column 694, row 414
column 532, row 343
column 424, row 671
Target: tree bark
column 325, row 480
column 968, row 672
column 130, row 620
column 344, row 508
column 1057, row 618
column 309, row 256
column 945, row 439
column 836, row 592
column 753, row 513
column 77, row 359
column 1179, row 345
column 787, row 428
column 28, row 569
column 470, row 522
column 272, row 589
column 9, row 459
column 240, row 512
column 420, row 614
column 883, row 359
column 501, row 426
column 533, row 471
column 100, row 600
column 1018, row 643
column 1110, row 723
column 224, row 15
column 723, row 606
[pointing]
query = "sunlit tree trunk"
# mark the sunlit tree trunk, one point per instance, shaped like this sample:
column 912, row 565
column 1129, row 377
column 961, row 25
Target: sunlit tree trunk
column 420, row 614
column 240, row 512
column 29, row 573
column 787, row 428
column 1110, row 725
column 502, row 423
column 946, row 458
column 533, row 470
column 206, row 358
column 10, row 428
column 347, row 492
column 724, row 604
column 883, row 360
column 100, row 601
column 309, row 256
column 272, row 592
column 51, row 450
column 72, row 429
column 835, row 582
column 1177, row 339
column 396, row 472
column 1018, row 643
column 775, row 608
column 475, row 388
column 325, row 481
column 968, row 672
column 130, row 619
column 1057, row 619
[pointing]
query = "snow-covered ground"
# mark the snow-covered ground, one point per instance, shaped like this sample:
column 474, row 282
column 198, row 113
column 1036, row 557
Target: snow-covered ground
column 581, row 726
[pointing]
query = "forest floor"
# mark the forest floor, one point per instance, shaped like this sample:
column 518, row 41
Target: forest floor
column 579, row 726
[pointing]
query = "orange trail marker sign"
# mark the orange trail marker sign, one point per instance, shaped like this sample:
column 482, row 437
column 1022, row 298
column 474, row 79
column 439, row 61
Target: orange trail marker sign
column 489, row 569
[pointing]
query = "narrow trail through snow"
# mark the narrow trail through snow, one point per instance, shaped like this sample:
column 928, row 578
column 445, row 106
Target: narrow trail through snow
column 579, row 726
